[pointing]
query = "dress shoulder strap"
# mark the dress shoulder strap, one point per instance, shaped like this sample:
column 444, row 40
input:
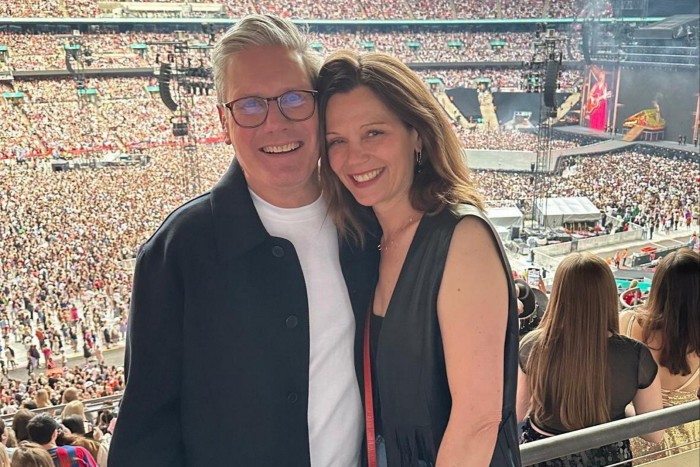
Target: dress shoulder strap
column 692, row 378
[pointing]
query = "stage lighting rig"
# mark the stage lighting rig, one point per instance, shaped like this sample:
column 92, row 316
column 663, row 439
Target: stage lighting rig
column 78, row 57
column 542, row 75
column 184, row 74
column 542, row 71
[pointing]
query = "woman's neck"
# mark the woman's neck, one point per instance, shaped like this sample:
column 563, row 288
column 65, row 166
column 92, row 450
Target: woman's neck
column 395, row 217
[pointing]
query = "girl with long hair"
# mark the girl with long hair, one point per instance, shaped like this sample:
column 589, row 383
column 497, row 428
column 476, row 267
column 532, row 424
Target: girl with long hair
column 577, row 371
column 669, row 323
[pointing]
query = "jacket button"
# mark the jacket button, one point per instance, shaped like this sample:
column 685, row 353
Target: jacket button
column 292, row 397
column 277, row 251
column 292, row 322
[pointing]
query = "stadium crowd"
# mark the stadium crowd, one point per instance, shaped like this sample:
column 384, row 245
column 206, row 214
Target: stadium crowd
column 506, row 140
column 646, row 190
column 335, row 9
column 52, row 118
column 88, row 382
column 65, row 270
column 500, row 79
column 419, row 45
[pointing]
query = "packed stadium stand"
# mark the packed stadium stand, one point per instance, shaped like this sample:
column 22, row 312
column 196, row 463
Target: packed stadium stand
column 335, row 9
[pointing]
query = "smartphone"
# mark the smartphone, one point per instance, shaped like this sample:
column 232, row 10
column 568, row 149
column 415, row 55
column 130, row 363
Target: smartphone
column 533, row 277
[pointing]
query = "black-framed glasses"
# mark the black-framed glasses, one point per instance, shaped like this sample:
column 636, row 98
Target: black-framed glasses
column 251, row 112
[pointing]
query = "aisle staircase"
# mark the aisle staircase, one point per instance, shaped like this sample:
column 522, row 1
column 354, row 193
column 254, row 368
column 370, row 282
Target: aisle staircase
column 454, row 9
column 105, row 121
column 407, row 9
column 62, row 8
column 36, row 139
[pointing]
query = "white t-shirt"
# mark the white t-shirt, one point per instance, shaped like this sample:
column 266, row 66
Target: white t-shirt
column 335, row 411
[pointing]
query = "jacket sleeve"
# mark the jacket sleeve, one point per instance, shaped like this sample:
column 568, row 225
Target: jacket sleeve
column 148, row 430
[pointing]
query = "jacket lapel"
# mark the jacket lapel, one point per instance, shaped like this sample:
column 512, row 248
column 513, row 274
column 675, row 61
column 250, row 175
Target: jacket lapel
column 237, row 226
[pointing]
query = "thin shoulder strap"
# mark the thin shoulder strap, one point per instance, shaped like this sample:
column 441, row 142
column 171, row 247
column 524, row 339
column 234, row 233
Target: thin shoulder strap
column 690, row 380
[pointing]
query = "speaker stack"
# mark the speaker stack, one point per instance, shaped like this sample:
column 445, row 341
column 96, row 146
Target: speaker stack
column 164, row 86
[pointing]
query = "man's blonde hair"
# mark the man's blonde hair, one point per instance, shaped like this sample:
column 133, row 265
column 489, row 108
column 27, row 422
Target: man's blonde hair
column 259, row 31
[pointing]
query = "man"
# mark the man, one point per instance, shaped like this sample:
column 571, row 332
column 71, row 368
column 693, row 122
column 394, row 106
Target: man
column 44, row 430
column 250, row 274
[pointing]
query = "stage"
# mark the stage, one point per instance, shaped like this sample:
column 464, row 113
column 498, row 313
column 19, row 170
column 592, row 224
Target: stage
column 605, row 143
column 601, row 135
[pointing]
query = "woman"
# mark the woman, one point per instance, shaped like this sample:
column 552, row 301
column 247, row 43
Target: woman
column 567, row 364
column 78, row 437
column 597, row 106
column 30, row 454
column 443, row 322
column 669, row 323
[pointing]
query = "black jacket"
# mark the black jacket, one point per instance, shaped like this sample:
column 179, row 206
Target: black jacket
column 217, row 355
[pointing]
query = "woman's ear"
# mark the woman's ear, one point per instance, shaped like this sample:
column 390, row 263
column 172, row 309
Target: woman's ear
column 419, row 141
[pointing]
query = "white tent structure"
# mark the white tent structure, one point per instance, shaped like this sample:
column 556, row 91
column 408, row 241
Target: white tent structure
column 506, row 217
column 555, row 212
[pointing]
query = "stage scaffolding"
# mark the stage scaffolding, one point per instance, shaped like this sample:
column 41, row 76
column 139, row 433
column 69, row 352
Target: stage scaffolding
column 183, row 75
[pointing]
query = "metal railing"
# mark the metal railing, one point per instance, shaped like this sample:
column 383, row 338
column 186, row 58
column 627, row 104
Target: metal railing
column 530, row 453
column 91, row 405
column 607, row 433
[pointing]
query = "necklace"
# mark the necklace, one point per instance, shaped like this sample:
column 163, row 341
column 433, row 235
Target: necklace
column 388, row 242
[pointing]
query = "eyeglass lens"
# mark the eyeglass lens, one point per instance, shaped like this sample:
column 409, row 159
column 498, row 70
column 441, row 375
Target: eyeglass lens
column 294, row 105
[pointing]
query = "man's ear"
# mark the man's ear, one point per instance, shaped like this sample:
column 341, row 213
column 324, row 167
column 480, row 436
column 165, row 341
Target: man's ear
column 223, row 115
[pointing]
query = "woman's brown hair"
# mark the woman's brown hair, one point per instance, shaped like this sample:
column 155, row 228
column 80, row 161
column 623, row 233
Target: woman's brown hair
column 75, row 439
column 568, row 364
column 673, row 310
column 444, row 178
column 30, row 454
column 20, row 420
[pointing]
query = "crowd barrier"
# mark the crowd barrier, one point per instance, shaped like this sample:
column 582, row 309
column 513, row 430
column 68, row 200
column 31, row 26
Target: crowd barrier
column 546, row 261
column 640, row 260
column 612, row 239
column 544, row 255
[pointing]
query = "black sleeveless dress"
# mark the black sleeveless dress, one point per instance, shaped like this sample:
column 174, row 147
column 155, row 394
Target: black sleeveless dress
column 411, row 375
